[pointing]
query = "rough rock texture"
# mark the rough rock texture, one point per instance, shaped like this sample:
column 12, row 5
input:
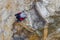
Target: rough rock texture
column 8, row 8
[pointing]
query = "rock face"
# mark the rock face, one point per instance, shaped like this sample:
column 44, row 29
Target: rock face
column 7, row 20
column 8, row 9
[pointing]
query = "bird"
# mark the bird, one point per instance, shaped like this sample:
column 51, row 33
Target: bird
column 20, row 16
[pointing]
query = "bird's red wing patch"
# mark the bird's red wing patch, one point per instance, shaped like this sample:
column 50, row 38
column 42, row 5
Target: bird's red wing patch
column 21, row 19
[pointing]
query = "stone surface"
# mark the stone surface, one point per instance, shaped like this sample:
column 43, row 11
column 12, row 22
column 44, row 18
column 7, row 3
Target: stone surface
column 8, row 9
